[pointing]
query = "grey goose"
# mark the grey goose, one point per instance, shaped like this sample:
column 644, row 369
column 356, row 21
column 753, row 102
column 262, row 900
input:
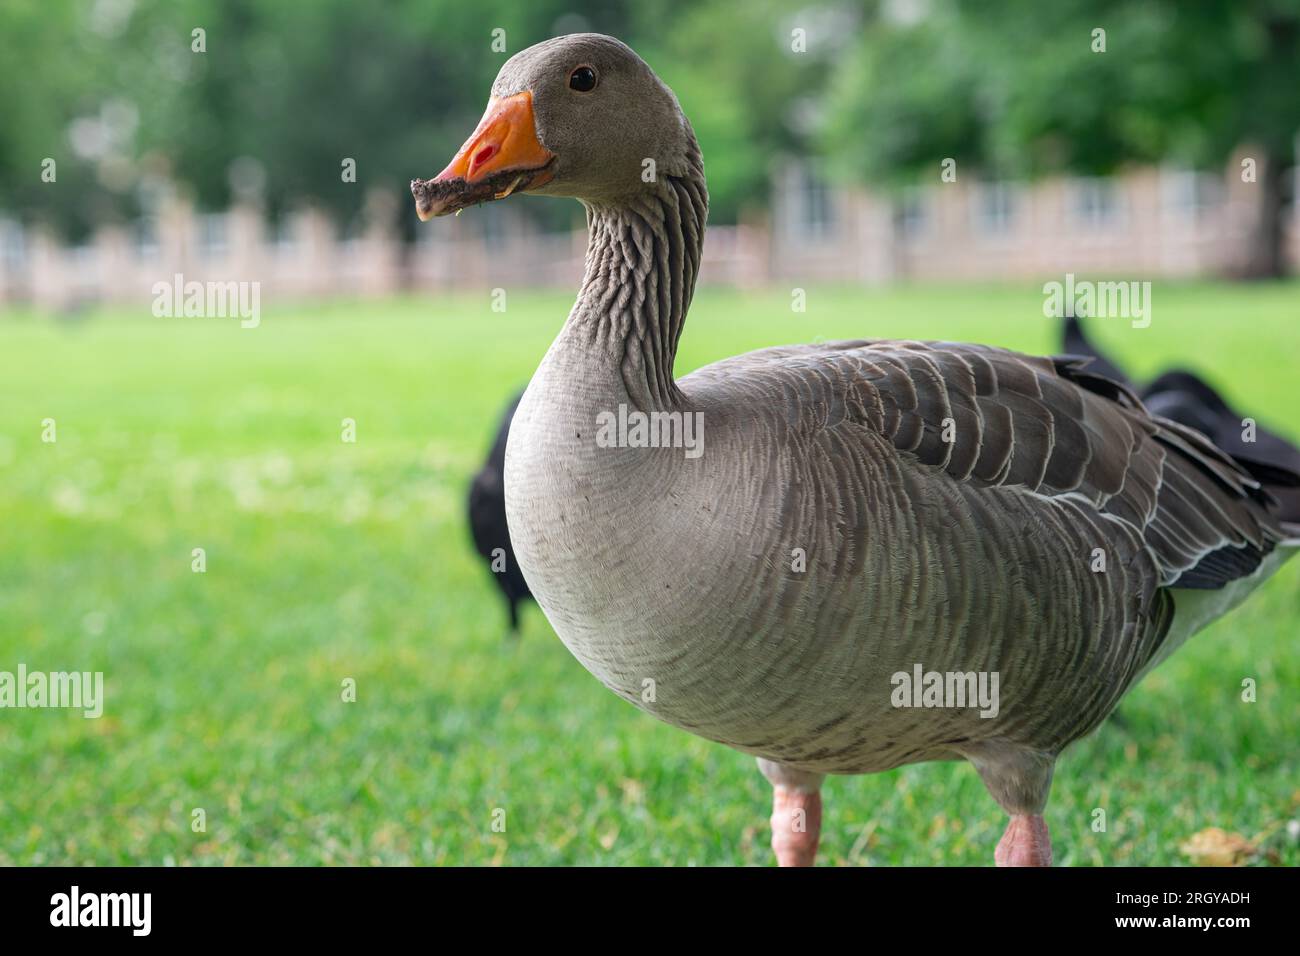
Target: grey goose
column 857, row 511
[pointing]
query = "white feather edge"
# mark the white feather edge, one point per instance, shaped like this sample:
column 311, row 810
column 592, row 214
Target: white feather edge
column 1194, row 610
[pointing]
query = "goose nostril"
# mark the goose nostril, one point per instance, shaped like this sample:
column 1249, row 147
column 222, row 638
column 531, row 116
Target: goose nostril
column 481, row 157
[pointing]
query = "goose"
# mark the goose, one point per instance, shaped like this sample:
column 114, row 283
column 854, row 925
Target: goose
column 851, row 513
column 488, row 525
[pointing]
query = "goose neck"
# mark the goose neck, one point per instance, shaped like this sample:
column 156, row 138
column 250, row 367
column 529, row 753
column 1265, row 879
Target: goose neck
column 643, row 256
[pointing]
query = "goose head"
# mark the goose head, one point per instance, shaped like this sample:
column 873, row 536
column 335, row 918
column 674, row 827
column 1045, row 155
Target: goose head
column 579, row 115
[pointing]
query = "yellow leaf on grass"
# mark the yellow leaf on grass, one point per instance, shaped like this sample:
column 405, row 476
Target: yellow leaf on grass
column 1216, row 847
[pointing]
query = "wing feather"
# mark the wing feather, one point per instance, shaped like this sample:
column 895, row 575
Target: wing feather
column 1053, row 428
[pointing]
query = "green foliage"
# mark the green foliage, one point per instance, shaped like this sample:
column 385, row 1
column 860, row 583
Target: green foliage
column 1011, row 88
column 298, row 87
column 1022, row 86
column 328, row 560
column 747, row 94
column 902, row 98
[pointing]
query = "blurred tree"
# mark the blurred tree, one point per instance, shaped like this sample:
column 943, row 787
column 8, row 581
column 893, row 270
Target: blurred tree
column 48, row 69
column 282, row 93
column 749, row 95
column 1021, row 88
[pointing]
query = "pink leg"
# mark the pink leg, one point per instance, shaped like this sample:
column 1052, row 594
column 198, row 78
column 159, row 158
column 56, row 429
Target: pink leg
column 796, row 826
column 1026, row 843
column 796, row 813
column 1019, row 778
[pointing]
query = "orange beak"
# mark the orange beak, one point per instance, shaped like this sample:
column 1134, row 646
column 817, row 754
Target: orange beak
column 502, row 155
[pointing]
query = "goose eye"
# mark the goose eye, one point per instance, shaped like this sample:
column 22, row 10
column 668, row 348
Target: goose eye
column 583, row 79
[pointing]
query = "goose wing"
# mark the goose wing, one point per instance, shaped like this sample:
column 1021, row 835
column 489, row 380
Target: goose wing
column 990, row 418
column 972, row 486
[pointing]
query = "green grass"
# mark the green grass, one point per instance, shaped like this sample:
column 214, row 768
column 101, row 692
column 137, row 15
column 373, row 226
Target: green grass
column 328, row 560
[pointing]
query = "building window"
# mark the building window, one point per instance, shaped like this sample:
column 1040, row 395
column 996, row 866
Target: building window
column 493, row 222
column 285, row 237
column 1096, row 203
column 145, row 234
column 13, row 245
column 815, row 214
column 995, row 208
column 212, row 236
column 1188, row 194
column 912, row 214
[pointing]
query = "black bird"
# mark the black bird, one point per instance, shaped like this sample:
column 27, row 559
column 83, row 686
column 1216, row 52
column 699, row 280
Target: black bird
column 1183, row 396
column 487, row 521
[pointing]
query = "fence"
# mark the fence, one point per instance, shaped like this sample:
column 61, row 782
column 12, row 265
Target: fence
column 1146, row 223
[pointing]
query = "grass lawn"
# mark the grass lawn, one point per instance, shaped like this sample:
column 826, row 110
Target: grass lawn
column 328, row 560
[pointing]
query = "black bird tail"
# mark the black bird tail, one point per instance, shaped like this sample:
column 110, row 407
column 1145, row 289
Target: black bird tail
column 1185, row 397
column 1272, row 460
column 1075, row 342
column 488, row 525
